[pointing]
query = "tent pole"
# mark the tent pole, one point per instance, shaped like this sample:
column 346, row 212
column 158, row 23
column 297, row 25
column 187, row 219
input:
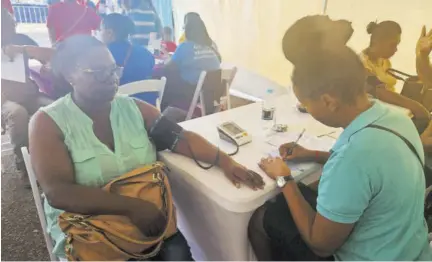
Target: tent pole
column 324, row 11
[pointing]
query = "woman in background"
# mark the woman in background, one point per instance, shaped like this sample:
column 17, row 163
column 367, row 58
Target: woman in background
column 385, row 37
column 198, row 53
column 188, row 16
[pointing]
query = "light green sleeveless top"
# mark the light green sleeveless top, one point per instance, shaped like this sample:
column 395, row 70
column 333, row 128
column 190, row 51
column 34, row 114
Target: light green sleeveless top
column 94, row 163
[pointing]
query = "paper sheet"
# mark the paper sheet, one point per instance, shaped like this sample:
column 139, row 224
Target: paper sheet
column 13, row 70
column 299, row 170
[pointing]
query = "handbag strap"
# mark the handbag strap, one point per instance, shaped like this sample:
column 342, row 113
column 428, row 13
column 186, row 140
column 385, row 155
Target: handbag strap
column 128, row 54
column 406, row 141
column 393, row 72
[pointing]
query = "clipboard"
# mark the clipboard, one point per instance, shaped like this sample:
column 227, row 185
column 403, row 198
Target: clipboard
column 15, row 69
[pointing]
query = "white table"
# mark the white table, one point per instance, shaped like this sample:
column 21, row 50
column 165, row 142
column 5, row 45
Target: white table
column 213, row 214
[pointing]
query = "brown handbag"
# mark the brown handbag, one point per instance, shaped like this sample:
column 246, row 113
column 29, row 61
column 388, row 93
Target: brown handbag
column 113, row 237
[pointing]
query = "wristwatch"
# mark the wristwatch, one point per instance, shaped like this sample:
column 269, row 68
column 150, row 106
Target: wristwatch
column 281, row 181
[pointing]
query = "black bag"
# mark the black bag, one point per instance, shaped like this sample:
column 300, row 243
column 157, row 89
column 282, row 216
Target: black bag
column 413, row 88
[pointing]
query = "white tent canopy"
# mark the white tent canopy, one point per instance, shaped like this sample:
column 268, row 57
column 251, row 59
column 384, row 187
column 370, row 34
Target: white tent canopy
column 249, row 32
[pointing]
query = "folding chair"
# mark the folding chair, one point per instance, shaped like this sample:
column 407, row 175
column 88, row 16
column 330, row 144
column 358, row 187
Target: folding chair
column 145, row 86
column 212, row 88
column 38, row 201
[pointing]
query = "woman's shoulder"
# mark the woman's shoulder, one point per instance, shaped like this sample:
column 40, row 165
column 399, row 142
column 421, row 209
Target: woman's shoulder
column 57, row 105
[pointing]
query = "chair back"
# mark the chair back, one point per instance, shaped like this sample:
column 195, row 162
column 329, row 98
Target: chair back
column 212, row 86
column 38, row 201
column 144, row 86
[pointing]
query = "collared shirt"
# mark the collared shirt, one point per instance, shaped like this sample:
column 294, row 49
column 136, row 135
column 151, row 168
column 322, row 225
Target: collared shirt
column 375, row 181
column 145, row 20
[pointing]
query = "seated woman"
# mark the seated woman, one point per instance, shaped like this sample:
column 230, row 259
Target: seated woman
column 385, row 37
column 357, row 213
column 312, row 32
column 136, row 60
column 198, row 53
column 91, row 136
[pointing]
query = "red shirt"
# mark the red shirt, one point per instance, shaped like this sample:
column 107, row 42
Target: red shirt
column 63, row 17
column 169, row 46
column 8, row 5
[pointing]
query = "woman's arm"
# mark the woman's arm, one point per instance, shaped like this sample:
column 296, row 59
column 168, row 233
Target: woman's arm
column 423, row 50
column 54, row 170
column 42, row 54
column 204, row 151
column 417, row 109
column 427, row 138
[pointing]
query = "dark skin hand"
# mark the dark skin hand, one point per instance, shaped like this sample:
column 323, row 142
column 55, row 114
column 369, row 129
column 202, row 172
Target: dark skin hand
column 206, row 152
column 323, row 236
column 42, row 54
column 55, row 172
column 301, row 154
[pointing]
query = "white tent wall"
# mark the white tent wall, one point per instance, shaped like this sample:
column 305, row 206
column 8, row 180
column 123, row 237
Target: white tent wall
column 249, row 32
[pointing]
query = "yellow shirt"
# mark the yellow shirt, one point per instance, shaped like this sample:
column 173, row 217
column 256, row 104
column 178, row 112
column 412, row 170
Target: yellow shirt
column 379, row 69
column 182, row 38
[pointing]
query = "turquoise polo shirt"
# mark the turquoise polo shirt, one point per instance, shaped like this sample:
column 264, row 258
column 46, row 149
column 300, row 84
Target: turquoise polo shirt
column 373, row 180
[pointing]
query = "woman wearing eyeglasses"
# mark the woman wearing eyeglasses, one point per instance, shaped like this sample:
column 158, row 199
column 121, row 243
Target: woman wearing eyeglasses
column 82, row 141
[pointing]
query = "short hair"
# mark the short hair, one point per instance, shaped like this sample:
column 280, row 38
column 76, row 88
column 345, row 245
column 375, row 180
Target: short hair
column 383, row 30
column 338, row 71
column 167, row 30
column 66, row 57
column 121, row 25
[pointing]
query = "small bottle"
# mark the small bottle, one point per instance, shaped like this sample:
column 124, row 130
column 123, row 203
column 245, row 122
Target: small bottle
column 268, row 106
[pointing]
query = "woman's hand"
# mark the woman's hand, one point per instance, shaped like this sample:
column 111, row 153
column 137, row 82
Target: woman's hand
column 295, row 152
column 148, row 218
column 274, row 167
column 238, row 175
column 424, row 44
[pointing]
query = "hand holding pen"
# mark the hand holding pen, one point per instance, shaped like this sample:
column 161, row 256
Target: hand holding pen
column 293, row 151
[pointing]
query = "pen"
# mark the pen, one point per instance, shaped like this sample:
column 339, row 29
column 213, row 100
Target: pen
column 290, row 151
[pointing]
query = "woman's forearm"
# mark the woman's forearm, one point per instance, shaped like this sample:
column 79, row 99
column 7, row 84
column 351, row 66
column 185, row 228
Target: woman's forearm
column 417, row 109
column 42, row 54
column 88, row 200
column 321, row 157
column 424, row 69
column 201, row 149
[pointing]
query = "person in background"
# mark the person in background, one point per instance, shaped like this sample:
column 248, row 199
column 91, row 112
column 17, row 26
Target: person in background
column 6, row 4
column 384, row 40
column 318, row 31
column 70, row 18
column 19, row 100
column 145, row 18
column 192, row 57
column 188, row 16
column 423, row 51
column 136, row 60
column 114, row 137
column 168, row 45
column 357, row 213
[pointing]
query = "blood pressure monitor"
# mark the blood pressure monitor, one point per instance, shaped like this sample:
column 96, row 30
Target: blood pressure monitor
column 231, row 132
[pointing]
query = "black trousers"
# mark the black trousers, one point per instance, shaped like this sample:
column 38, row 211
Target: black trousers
column 285, row 240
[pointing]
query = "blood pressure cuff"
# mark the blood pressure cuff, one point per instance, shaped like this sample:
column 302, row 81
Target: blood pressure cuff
column 165, row 133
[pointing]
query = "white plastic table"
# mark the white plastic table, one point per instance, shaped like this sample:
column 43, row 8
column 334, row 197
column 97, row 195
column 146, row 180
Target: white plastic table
column 212, row 213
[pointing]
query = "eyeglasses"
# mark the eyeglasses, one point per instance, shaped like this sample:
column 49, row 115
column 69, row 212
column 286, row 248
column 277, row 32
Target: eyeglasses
column 103, row 74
